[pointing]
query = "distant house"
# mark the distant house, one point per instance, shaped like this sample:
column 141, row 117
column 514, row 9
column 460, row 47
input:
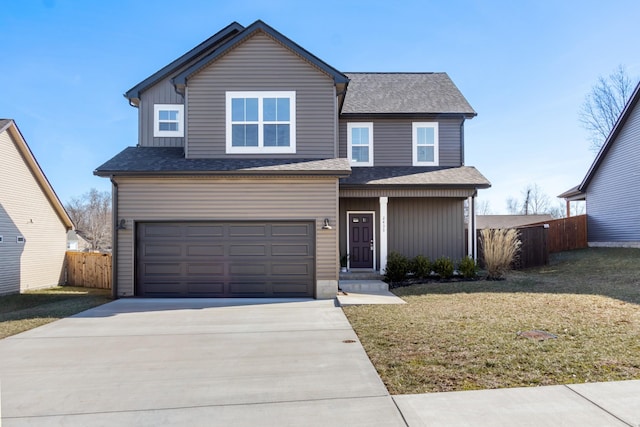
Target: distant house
column 611, row 187
column 76, row 242
column 509, row 221
column 33, row 222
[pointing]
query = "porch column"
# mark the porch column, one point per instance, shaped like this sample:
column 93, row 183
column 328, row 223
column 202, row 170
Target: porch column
column 472, row 234
column 383, row 233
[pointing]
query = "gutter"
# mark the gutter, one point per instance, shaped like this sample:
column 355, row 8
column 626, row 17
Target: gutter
column 114, row 238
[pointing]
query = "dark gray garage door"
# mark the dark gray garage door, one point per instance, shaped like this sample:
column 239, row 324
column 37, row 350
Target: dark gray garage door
column 225, row 259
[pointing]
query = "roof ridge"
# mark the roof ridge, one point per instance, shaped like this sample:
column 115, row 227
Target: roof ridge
column 394, row 72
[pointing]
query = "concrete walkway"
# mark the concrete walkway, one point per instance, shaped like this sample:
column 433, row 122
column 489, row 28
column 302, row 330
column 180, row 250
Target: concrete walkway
column 145, row 362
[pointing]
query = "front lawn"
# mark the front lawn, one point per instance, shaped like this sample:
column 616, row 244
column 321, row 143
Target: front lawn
column 21, row 312
column 463, row 335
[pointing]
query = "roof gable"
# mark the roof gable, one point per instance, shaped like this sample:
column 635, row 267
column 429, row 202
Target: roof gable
column 9, row 126
column 404, row 93
column 613, row 135
column 180, row 80
column 211, row 44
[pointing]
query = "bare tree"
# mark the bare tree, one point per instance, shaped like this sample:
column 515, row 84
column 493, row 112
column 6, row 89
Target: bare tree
column 603, row 105
column 483, row 207
column 513, row 207
column 91, row 214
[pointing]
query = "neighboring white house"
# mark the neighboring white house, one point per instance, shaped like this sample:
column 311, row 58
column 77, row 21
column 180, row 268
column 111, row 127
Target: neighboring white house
column 611, row 187
column 33, row 222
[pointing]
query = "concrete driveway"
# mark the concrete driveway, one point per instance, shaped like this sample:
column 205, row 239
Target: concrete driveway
column 194, row 362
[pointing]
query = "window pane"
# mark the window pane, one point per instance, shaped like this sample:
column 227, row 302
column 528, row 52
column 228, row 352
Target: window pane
column 163, row 115
column 359, row 136
column 426, row 136
column 283, row 135
column 237, row 109
column 270, row 136
column 173, row 115
column 237, row 135
column 425, row 154
column 251, row 107
column 283, row 109
column 251, row 136
column 168, row 126
column 269, row 109
column 360, row 154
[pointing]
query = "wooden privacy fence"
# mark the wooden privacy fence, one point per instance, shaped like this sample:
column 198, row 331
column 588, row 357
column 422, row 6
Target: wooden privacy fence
column 534, row 250
column 89, row 270
column 566, row 234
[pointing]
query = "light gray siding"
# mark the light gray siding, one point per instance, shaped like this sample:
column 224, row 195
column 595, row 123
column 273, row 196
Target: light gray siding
column 432, row 227
column 162, row 92
column 26, row 211
column 613, row 195
column 228, row 199
column 261, row 64
column 392, row 141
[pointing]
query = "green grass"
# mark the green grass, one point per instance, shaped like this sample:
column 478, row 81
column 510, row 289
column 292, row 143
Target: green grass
column 21, row 312
column 462, row 335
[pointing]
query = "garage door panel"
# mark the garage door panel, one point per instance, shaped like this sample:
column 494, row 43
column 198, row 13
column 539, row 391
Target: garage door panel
column 247, row 230
column 205, row 231
column 205, row 269
column 205, row 250
column 248, row 250
column 162, row 250
column 290, row 230
column 225, row 259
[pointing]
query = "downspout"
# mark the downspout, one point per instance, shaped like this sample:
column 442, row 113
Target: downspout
column 114, row 238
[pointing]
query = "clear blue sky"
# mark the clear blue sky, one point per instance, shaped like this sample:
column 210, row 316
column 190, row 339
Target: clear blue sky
column 525, row 66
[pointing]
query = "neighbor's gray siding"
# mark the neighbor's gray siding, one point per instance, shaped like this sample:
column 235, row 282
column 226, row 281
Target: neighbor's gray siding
column 162, row 92
column 209, row 199
column 26, row 211
column 432, row 227
column 261, row 64
column 613, row 195
column 392, row 141
column 355, row 205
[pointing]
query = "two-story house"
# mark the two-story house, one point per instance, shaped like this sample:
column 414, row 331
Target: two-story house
column 258, row 165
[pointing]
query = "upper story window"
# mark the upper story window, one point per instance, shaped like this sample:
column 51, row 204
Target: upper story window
column 168, row 120
column 425, row 144
column 360, row 144
column 261, row 122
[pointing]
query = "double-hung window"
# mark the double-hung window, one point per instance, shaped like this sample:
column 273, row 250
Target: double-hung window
column 425, row 144
column 168, row 120
column 360, row 144
column 261, row 122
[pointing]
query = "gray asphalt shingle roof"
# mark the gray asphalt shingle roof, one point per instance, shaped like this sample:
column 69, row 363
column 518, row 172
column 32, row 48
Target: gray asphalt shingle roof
column 464, row 176
column 404, row 93
column 156, row 160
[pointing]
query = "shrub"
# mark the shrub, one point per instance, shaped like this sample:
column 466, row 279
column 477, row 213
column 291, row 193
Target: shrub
column 468, row 267
column 421, row 267
column 397, row 267
column 443, row 267
column 500, row 247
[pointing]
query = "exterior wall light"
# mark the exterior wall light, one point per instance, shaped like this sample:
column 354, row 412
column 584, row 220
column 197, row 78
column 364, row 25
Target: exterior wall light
column 326, row 225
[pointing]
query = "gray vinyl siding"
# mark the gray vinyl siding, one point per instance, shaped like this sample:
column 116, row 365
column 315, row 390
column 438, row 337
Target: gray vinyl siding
column 359, row 204
column 26, row 211
column 613, row 195
column 162, row 92
column 432, row 227
column 261, row 64
column 392, row 141
column 209, row 199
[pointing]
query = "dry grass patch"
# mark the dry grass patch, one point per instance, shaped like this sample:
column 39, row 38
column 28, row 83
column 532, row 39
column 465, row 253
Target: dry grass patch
column 21, row 312
column 463, row 336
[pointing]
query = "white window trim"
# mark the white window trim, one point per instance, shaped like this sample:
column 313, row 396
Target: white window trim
column 157, row 133
column 352, row 125
column 261, row 149
column 436, row 143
